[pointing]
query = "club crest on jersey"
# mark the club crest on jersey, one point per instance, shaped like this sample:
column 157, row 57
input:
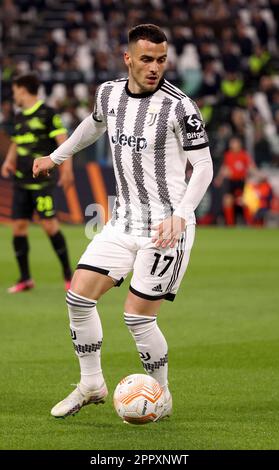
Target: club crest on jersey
column 136, row 142
column 151, row 116
column 151, row 119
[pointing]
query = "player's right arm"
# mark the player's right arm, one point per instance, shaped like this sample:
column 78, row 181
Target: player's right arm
column 85, row 134
column 88, row 131
column 9, row 166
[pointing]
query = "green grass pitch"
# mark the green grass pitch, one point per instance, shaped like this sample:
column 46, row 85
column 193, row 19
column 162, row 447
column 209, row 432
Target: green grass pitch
column 223, row 335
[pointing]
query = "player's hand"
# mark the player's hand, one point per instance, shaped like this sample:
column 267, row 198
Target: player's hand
column 42, row 166
column 168, row 232
column 66, row 178
column 8, row 169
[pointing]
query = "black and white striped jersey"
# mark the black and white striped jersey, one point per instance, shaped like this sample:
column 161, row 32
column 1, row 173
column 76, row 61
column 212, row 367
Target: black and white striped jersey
column 151, row 136
column 148, row 135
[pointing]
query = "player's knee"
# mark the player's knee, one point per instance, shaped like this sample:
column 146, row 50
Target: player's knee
column 228, row 200
column 139, row 306
column 20, row 228
column 133, row 307
column 50, row 226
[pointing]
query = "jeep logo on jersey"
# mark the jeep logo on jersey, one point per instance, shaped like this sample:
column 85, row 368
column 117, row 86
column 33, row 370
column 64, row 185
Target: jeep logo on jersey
column 136, row 142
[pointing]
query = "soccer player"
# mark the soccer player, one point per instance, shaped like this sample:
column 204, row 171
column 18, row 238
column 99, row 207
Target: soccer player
column 153, row 128
column 38, row 130
column 232, row 175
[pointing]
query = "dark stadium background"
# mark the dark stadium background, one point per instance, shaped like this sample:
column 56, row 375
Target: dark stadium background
column 223, row 54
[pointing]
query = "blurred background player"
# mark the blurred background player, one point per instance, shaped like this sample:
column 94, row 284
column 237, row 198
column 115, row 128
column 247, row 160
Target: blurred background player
column 232, row 176
column 37, row 131
column 257, row 197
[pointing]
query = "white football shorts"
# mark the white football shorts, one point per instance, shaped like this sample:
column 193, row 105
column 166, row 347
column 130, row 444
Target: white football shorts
column 157, row 272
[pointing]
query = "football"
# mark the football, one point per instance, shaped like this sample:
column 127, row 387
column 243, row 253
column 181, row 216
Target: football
column 138, row 399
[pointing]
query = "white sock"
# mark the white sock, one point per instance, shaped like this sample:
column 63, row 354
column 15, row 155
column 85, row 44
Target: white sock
column 87, row 336
column 151, row 345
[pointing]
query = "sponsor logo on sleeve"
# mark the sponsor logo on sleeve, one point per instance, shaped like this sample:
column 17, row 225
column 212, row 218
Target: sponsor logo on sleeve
column 194, row 127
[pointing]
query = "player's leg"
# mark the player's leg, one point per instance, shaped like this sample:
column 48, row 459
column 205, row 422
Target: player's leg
column 228, row 202
column 141, row 318
column 229, row 210
column 45, row 207
column 157, row 276
column 21, row 213
column 86, row 289
column 52, row 228
column 94, row 276
column 86, row 331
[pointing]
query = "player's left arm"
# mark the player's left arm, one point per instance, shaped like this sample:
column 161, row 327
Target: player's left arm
column 169, row 231
column 190, row 131
column 86, row 133
column 66, row 174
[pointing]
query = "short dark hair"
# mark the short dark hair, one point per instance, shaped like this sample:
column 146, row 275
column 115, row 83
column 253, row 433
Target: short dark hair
column 150, row 32
column 30, row 81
